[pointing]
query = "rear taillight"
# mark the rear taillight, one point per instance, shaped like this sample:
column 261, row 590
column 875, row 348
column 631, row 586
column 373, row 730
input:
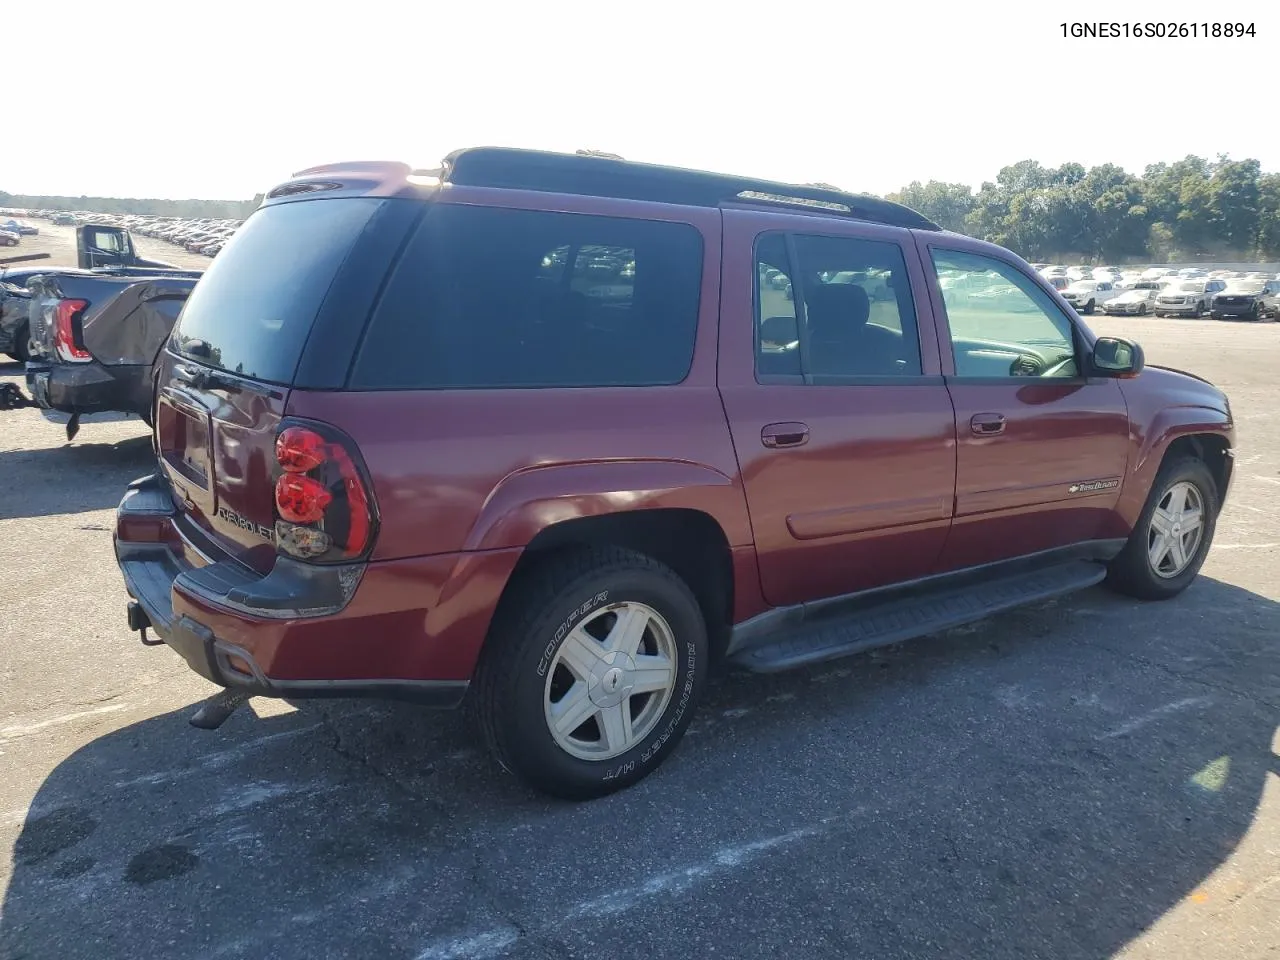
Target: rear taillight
column 65, row 335
column 323, row 508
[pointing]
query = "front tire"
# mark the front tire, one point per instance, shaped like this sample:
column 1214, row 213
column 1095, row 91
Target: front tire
column 1171, row 539
column 1142, row 309
column 592, row 671
column 1090, row 307
column 1199, row 310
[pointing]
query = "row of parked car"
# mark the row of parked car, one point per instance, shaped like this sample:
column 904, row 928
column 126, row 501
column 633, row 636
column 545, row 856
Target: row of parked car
column 202, row 235
column 1167, row 292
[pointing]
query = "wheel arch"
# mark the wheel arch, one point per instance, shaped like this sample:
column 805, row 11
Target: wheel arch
column 1212, row 449
column 691, row 542
column 1183, row 431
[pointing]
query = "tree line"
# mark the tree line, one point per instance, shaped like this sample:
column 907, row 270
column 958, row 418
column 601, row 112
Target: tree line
column 1192, row 209
column 186, row 209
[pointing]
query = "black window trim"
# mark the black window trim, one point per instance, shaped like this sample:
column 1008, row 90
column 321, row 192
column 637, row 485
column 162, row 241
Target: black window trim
column 1082, row 376
column 804, row 378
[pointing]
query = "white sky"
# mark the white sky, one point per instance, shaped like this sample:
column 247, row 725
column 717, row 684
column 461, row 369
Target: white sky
column 156, row 99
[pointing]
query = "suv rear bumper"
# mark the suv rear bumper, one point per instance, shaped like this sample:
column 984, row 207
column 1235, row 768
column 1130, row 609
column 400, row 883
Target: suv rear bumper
column 200, row 611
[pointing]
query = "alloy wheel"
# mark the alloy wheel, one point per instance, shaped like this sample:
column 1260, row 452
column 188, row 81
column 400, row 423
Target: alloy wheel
column 1177, row 527
column 610, row 681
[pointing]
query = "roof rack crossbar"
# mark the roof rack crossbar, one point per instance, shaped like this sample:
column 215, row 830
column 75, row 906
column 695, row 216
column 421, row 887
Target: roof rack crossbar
column 605, row 177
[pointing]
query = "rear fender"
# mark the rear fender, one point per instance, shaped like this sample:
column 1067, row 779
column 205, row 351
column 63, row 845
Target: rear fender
column 1168, row 425
column 529, row 501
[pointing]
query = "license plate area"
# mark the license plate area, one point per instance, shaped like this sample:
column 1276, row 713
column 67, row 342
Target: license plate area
column 184, row 434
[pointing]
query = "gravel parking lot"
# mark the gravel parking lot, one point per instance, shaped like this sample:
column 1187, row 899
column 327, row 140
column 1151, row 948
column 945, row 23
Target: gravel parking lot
column 1085, row 778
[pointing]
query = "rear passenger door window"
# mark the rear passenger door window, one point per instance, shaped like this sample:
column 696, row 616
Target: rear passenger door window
column 496, row 298
column 832, row 310
column 1002, row 324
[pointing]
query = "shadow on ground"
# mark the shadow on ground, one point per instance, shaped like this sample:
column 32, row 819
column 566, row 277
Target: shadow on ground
column 89, row 475
column 1048, row 783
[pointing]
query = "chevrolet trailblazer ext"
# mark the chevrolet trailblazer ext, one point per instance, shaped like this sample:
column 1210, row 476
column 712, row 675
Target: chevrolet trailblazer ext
column 534, row 425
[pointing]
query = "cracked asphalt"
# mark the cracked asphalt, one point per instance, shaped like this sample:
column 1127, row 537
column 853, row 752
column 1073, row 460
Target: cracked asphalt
column 1084, row 778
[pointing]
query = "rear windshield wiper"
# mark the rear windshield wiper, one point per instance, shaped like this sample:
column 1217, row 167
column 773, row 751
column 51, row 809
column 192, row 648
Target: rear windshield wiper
column 200, row 377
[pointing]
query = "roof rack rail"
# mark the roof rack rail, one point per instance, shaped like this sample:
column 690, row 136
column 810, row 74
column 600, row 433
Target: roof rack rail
column 597, row 176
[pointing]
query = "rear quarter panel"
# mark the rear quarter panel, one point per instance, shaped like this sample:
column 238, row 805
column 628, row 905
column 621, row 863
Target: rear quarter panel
column 482, row 470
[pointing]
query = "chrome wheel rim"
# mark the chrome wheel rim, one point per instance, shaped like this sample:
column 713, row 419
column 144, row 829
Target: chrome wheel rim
column 610, row 681
column 1177, row 528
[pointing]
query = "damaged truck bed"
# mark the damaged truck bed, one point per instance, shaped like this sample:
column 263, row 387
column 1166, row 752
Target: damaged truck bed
column 94, row 337
column 90, row 334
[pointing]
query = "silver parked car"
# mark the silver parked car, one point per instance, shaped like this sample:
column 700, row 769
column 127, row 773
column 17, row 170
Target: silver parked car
column 1140, row 299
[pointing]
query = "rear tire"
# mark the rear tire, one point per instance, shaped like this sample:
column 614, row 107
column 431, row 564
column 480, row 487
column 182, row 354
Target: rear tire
column 1134, row 571
column 20, row 351
column 554, row 649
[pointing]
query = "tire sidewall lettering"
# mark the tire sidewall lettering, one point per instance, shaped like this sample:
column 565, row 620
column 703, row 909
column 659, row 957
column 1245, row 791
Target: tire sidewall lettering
column 686, row 694
column 548, row 654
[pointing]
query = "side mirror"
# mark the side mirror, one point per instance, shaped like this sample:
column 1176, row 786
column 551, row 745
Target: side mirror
column 1114, row 357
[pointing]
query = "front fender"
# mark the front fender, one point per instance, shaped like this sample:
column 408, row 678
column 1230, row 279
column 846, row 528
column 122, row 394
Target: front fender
column 1167, row 426
column 528, row 501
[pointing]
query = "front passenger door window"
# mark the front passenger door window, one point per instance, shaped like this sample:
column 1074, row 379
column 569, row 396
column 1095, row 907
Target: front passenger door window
column 1002, row 324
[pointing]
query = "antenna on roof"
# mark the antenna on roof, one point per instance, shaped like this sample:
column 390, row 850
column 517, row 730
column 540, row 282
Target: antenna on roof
column 597, row 153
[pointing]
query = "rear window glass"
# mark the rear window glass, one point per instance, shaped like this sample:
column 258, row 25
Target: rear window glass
column 253, row 308
column 487, row 297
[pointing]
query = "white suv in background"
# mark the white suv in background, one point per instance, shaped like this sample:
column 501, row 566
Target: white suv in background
column 1188, row 298
column 1087, row 295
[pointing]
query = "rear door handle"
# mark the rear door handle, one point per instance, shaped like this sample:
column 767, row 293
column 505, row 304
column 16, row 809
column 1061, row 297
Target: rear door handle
column 792, row 434
column 987, row 424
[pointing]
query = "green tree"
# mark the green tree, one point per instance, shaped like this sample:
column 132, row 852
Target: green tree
column 946, row 204
column 1115, row 222
column 1234, row 204
column 1268, row 241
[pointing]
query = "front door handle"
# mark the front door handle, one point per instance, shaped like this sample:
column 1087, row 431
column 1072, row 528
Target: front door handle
column 987, row 424
column 791, row 434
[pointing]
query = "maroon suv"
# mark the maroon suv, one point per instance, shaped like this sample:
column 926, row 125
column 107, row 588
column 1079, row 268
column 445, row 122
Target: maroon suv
column 567, row 431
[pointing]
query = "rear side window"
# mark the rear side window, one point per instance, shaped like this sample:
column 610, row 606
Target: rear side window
column 252, row 310
column 103, row 240
column 857, row 309
column 488, row 297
